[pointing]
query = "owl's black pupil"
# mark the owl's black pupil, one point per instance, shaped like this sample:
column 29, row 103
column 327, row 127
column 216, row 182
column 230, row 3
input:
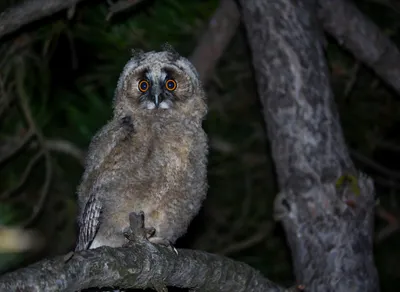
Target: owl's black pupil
column 143, row 86
column 170, row 84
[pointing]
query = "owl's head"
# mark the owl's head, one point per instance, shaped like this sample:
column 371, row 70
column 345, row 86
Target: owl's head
column 159, row 83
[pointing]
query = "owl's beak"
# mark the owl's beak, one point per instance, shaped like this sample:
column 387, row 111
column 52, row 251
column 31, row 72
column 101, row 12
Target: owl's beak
column 156, row 96
column 156, row 100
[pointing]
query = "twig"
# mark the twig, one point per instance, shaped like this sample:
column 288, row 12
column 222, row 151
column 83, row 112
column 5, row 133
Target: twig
column 15, row 17
column 24, row 176
column 66, row 147
column 43, row 193
column 390, row 183
column 237, row 226
column 387, row 216
column 387, row 232
column 353, row 78
column 121, row 6
column 221, row 29
column 252, row 240
column 5, row 99
column 388, row 146
column 27, row 137
column 392, row 227
column 23, row 98
column 375, row 165
column 54, row 145
column 394, row 4
column 5, row 103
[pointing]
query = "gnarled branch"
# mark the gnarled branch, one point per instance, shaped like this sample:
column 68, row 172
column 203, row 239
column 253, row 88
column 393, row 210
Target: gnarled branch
column 143, row 265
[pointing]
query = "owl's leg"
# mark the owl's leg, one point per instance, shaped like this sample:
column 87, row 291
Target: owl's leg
column 139, row 232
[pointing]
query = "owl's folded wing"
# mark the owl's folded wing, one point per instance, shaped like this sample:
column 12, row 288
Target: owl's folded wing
column 89, row 222
column 103, row 143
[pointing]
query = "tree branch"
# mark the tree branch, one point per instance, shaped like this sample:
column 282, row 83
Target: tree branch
column 31, row 10
column 139, row 266
column 221, row 29
column 362, row 38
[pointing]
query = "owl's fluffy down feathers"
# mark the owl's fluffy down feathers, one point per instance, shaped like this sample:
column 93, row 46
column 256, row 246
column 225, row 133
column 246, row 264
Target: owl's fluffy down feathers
column 150, row 160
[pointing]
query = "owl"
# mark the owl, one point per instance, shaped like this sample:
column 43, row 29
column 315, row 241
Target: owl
column 151, row 157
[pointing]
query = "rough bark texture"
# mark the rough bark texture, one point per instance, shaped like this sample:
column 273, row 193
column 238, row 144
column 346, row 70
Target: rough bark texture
column 222, row 27
column 362, row 38
column 29, row 11
column 140, row 266
column 329, row 229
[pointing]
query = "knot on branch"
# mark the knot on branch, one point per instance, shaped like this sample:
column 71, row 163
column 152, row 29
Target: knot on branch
column 350, row 197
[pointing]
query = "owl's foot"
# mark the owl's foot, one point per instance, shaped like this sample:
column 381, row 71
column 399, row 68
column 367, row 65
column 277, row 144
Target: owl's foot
column 159, row 287
column 68, row 256
column 137, row 230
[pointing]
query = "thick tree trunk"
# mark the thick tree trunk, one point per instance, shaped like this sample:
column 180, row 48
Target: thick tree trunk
column 329, row 226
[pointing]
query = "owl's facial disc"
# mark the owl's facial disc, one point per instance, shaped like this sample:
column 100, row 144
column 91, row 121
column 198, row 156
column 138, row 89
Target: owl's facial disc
column 157, row 90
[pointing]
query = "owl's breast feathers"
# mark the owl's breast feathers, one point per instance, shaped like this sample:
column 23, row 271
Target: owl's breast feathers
column 169, row 150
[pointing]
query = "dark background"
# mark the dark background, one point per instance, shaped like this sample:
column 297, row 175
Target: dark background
column 67, row 71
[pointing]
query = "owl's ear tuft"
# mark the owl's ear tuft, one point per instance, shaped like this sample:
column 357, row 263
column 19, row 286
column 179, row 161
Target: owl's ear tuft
column 169, row 48
column 136, row 52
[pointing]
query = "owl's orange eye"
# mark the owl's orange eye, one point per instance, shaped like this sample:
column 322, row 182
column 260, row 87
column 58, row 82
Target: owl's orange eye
column 143, row 85
column 170, row 84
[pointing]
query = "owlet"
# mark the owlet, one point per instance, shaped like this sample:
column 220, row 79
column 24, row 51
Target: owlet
column 150, row 157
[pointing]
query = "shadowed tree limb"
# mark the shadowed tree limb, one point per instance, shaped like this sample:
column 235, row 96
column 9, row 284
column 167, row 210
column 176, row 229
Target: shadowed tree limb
column 363, row 38
column 143, row 265
column 328, row 222
column 28, row 11
column 221, row 29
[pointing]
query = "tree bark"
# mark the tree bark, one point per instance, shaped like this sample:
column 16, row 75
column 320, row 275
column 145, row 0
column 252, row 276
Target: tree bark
column 329, row 225
column 143, row 265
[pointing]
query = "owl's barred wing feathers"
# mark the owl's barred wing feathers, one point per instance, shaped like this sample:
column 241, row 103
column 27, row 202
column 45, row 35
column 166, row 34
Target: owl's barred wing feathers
column 103, row 143
column 90, row 205
column 106, row 140
column 89, row 222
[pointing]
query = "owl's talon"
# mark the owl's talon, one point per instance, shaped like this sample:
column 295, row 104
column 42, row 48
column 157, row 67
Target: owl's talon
column 128, row 235
column 68, row 256
column 138, row 232
column 150, row 231
column 164, row 242
column 159, row 287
